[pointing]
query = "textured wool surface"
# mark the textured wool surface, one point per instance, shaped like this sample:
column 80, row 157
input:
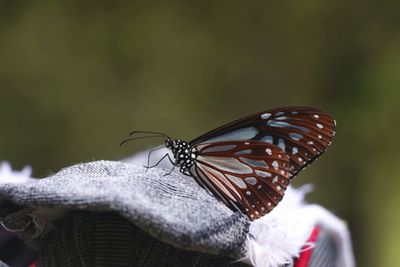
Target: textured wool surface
column 172, row 208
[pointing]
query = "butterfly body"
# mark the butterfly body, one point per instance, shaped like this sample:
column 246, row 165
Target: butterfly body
column 249, row 162
column 184, row 154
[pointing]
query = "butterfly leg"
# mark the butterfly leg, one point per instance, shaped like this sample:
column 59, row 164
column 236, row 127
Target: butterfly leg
column 170, row 160
column 170, row 171
column 173, row 164
column 151, row 151
column 165, row 156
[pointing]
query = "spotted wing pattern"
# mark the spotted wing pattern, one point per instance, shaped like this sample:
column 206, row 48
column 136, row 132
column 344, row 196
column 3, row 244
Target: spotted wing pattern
column 303, row 133
column 251, row 176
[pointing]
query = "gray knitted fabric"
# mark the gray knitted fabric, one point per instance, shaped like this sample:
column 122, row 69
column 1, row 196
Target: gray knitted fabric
column 108, row 213
column 106, row 239
column 171, row 208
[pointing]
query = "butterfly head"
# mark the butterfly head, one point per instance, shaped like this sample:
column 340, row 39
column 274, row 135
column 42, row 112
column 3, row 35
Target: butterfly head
column 170, row 143
column 176, row 146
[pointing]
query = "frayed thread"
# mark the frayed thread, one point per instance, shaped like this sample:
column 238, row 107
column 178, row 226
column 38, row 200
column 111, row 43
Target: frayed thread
column 280, row 236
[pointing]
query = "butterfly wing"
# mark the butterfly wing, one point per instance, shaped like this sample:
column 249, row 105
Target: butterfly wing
column 303, row 133
column 247, row 175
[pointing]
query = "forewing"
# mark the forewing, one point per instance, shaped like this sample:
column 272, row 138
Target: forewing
column 251, row 176
column 303, row 133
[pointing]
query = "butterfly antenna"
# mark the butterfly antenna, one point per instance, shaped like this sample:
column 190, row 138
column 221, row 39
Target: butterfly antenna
column 139, row 137
column 149, row 132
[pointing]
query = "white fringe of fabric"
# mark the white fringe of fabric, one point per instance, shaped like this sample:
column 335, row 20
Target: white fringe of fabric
column 7, row 175
column 277, row 238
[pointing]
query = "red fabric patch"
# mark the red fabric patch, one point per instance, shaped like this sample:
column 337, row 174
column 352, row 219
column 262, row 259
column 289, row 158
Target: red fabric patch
column 305, row 255
column 33, row 264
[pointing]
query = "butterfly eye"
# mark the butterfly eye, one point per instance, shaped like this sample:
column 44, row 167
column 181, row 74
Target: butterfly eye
column 169, row 143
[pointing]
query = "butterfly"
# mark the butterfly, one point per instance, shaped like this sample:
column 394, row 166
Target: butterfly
column 249, row 163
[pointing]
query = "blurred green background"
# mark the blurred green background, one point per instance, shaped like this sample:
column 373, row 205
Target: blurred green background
column 77, row 76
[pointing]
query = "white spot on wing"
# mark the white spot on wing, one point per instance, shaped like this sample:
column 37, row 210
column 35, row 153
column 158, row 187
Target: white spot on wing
column 275, row 164
column 319, row 125
column 295, row 136
column 281, row 144
column 251, row 180
column 281, row 118
column 265, row 116
column 229, row 164
column 269, row 151
column 253, row 162
column 218, row 148
column 316, row 116
column 263, row 173
column 295, row 150
column 237, row 181
column 243, row 152
column 267, row 139
column 241, row 134
column 282, row 124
